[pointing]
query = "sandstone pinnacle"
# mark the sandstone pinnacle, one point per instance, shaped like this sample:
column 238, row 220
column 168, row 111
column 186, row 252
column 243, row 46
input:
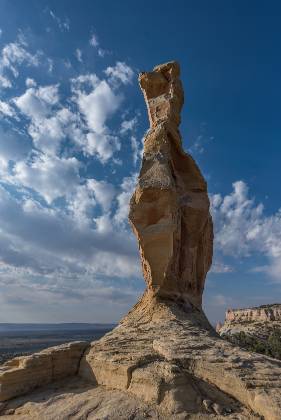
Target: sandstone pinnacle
column 169, row 210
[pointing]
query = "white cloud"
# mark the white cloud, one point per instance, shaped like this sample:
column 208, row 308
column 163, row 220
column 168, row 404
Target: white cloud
column 104, row 192
column 37, row 103
column 128, row 125
column 6, row 109
column 94, row 41
column 30, row 82
column 78, row 55
column 61, row 228
column 81, row 204
column 13, row 147
column 121, row 72
column 220, row 267
column 5, row 82
column 242, row 228
column 127, row 187
column 50, row 241
column 50, row 123
column 64, row 25
column 13, row 55
column 95, row 44
column 98, row 105
column 103, row 146
column 137, row 149
column 51, row 177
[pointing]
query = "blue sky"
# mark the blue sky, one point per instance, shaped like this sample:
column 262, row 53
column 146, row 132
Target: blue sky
column 72, row 120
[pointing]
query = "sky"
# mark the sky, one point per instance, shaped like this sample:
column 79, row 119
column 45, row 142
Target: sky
column 72, row 123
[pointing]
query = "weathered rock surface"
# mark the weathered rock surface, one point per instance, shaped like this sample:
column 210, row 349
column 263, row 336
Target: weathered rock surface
column 169, row 211
column 22, row 374
column 164, row 360
column 76, row 399
column 257, row 329
column 264, row 313
column 170, row 356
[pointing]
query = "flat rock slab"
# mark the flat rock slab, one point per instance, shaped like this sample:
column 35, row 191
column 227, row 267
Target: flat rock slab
column 23, row 374
column 76, row 399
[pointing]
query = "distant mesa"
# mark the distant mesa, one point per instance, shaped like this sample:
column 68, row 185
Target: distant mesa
column 255, row 329
column 164, row 360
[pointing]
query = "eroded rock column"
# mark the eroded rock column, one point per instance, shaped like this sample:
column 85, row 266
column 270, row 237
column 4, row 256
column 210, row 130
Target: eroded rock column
column 169, row 210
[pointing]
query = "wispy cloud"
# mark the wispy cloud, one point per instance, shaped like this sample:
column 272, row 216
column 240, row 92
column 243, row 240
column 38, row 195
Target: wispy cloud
column 63, row 24
column 13, row 55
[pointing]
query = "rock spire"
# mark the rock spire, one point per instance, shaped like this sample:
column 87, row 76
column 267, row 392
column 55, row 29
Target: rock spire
column 169, row 210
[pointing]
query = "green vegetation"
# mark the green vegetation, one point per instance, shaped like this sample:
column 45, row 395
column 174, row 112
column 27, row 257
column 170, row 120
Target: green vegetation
column 270, row 346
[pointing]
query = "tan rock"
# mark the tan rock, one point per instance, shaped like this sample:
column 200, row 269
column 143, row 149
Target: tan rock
column 169, row 211
column 22, row 374
column 264, row 313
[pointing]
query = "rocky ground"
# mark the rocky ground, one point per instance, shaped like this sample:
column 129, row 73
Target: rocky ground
column 79, row 400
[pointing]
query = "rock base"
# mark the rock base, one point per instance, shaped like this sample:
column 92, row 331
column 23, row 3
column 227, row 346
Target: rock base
column 167, row 354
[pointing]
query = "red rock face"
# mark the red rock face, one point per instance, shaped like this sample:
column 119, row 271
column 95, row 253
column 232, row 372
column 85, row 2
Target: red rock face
column 169, row 210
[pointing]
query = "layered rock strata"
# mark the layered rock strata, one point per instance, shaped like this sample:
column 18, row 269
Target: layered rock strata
column 164, row 358
column 264, row 313
column 25, row 373
column 257, row 329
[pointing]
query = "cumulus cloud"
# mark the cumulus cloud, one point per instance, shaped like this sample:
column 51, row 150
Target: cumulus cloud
column 103, row 146
column 48, row 233
column 103, row 191
column 64, row 234
column 52, row 177
column 242, row 228
column 12, row 56
column 97, row 102
column 6, row 109
column 128, row 127
column 121, row 72
column 30, row 82
column 98, row 105
column 127, row 187
column 13, row 147
column 50, row 123
column 37, row 103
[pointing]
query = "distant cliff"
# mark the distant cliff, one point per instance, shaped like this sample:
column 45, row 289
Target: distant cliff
column 261, row 313
column 257, row 329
